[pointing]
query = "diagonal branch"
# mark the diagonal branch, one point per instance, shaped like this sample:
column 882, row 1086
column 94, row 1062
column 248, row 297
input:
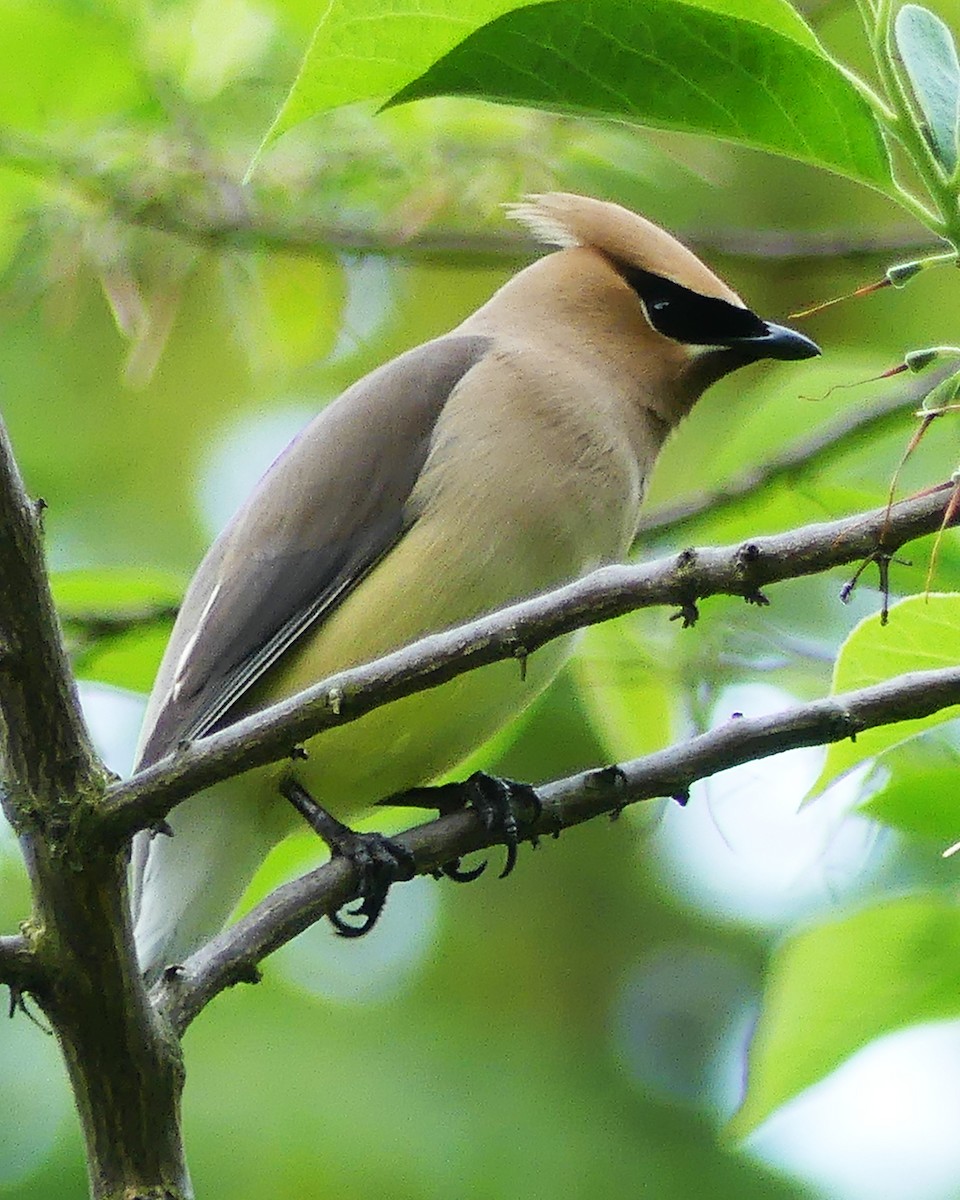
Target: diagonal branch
column 515, row 632
column 821, row 447
column 232, row 957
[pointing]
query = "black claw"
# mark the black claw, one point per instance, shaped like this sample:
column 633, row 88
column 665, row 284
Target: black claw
column 493, row 799
column 378, row 860
column 370, row 909
column 18, row 1004
column 451, row 870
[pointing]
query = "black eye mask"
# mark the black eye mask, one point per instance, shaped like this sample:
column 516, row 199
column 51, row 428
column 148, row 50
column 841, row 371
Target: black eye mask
column 687, row 316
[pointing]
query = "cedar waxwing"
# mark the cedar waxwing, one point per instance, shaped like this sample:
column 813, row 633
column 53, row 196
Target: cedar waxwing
column 500, row 460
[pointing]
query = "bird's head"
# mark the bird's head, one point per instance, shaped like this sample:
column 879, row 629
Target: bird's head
column 684, row 304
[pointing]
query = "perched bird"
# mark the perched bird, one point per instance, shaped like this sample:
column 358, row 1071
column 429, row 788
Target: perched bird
column 502, row 459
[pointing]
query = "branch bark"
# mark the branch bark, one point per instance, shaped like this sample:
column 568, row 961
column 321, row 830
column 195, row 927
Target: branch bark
column 77, row 956
column 515, row 632
column 19, row 968
column 232, row 957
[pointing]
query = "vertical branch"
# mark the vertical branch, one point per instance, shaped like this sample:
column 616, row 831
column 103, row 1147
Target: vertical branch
column 43, row 739
column 77, row 957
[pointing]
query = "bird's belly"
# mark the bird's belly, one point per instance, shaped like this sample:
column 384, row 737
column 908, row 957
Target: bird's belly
column 413, row 740
column 424, row 585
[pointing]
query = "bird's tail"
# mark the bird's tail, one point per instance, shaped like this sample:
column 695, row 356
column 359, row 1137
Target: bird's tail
column 184, row 887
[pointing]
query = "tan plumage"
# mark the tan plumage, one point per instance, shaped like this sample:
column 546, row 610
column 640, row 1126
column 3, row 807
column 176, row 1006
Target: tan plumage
column 495, row 462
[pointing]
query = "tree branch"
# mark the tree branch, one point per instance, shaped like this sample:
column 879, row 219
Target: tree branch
column 45, row 750
column 515, row 632
column 206, row 220
column 232, row 957
column 78, row 959
column 821, row 447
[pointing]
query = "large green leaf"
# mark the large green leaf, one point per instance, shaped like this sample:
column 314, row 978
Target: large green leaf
column 920, row 796
column 749, row 70
column 365, row 49
column 923, row 633
column 834, row 988
column 671, row 65
column 930, row 58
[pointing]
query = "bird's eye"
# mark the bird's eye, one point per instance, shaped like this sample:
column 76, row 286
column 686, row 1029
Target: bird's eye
column 687, row 316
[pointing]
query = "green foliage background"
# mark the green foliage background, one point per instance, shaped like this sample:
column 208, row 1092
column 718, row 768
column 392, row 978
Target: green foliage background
column 579, row 1030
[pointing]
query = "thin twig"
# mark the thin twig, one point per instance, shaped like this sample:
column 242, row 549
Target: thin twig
column 233, row 956
column 515, row 632
column 20, row 969
column 813, row 452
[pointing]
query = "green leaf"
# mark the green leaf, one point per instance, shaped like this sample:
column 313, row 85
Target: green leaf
column 923, row 633
column 365, row 49
column 834, row 988
column 125, row 618
column 774, row 14
column 627, row 694
column 929, row 57
column 920, row 796
column 672, row 65
column 124, row 594
column 128, row 660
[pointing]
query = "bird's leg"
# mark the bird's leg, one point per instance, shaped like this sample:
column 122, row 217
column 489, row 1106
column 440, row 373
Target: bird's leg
column 379, row 861
column 496, row 802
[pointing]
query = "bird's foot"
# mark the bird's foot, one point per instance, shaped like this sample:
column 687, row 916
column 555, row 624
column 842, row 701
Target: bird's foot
column 378, row 860
column 502, row 805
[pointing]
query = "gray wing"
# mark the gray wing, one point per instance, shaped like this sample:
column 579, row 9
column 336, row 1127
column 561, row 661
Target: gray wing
column 325, row 513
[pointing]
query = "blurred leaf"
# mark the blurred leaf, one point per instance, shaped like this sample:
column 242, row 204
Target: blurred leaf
column 930, row 59
column 293, row 313
column 227, row 39
column 834, row 988
column 35, row 1089
column 114, row 592
column 127, row 660
column 62, row 66
column 920, row 796
column 17, row 194
column 614, row 58
column 922, row 635
column 125, row 616
column 627, row 693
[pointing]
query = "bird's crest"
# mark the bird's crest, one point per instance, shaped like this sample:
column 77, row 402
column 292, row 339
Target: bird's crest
column 565, row 220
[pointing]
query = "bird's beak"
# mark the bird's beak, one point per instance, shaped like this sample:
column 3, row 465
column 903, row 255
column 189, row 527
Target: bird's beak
column 776, row 342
